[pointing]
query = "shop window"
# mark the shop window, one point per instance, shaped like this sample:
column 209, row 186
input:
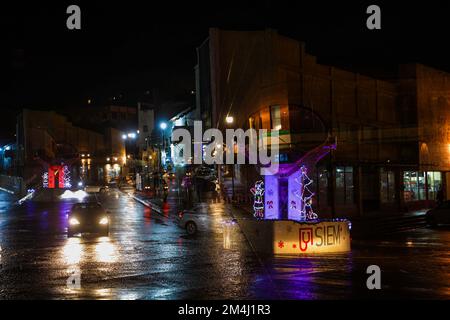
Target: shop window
column 410, row 186
column 387, row 186
column 275, row 118
column 344, row 185
column 421, row 185
column 322, row 182
column 284, row 114
column 434, row 184
column 414, row 186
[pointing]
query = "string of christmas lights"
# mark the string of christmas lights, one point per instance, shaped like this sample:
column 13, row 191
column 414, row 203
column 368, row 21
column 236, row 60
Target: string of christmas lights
column 258, row 203
column 305, row 195
column 67, row 178
column 45, row 180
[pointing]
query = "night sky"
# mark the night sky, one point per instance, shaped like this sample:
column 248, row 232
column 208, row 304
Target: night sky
column 125, row 49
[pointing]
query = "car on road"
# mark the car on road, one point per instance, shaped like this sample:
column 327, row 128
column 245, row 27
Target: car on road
column 96, row 188
column 88, row 217
column 205, row 173
column 192, row 220
column 439, row 215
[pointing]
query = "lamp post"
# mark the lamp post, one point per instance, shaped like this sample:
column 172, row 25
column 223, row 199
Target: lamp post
column 163, row 127
column 229, row 120
column 128, row 137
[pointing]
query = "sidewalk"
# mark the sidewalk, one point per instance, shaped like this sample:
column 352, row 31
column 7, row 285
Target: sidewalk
column 155, row 204
column 373, row 226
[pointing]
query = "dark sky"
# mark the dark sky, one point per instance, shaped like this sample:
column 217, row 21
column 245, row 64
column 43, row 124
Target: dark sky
column 129, row 47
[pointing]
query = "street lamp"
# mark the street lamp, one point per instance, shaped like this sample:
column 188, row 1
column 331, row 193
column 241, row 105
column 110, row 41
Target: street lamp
column 229, row 120
column 124, row 137
column 163, row 127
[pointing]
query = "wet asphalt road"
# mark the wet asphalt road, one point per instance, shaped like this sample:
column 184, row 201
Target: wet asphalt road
column 147, row 256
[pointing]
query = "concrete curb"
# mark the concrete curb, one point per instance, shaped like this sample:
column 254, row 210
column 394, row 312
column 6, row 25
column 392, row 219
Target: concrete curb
column 147, row 204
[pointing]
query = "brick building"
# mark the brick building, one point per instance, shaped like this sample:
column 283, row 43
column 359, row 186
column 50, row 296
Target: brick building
column 393, row 144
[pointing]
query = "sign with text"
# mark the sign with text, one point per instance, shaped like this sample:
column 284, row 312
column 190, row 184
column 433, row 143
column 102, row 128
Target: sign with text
column 291, row 237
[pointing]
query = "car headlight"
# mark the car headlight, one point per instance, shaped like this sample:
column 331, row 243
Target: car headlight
column 74, row 221
column 104, row 221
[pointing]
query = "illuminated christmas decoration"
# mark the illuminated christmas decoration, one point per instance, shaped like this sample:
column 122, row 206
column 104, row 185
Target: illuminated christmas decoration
column 67, row 178
column 306, row 195
column 258, row 203
column 45, row 180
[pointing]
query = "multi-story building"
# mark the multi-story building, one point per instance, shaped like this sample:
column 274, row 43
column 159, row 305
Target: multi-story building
column 393, row 147
column 45, row 138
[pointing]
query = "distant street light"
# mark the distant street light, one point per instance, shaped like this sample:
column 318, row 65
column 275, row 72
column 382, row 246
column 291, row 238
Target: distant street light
column 229, row 119
column 163, row 125
column 124, row 137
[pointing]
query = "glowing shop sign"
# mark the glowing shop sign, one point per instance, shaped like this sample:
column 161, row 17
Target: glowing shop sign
column 291, row 237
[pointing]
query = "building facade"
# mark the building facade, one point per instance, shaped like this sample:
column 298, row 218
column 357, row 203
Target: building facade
column 45, row 139
column 392, row 149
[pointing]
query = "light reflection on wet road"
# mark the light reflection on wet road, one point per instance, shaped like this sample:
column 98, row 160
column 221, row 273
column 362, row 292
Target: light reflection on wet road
column 148, row 257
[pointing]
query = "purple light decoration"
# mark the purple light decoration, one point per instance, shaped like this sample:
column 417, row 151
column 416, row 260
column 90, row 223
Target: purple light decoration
column 271, row 205
column 294, row 197
column 299, row 202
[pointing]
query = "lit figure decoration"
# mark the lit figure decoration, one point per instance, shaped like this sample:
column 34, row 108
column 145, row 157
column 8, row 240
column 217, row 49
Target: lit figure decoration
column 306, row 195
column 258, row 203
column 45, row 180
column 67, row 179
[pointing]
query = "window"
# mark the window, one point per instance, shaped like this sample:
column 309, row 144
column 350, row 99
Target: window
column 114, row 115
column 414, row 186
column 410, row 186
column 344, row 185
column 145, row 128
column 434, row 180
column 322, row 182
column 387, row 186
column 421, row 185
column 275, row 118
column 282, row 158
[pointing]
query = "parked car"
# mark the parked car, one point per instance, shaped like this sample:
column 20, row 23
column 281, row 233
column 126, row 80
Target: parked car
column 88, row 217
column 439, row 215
column 205, row 173
column 96, row 188
column 192, row 220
